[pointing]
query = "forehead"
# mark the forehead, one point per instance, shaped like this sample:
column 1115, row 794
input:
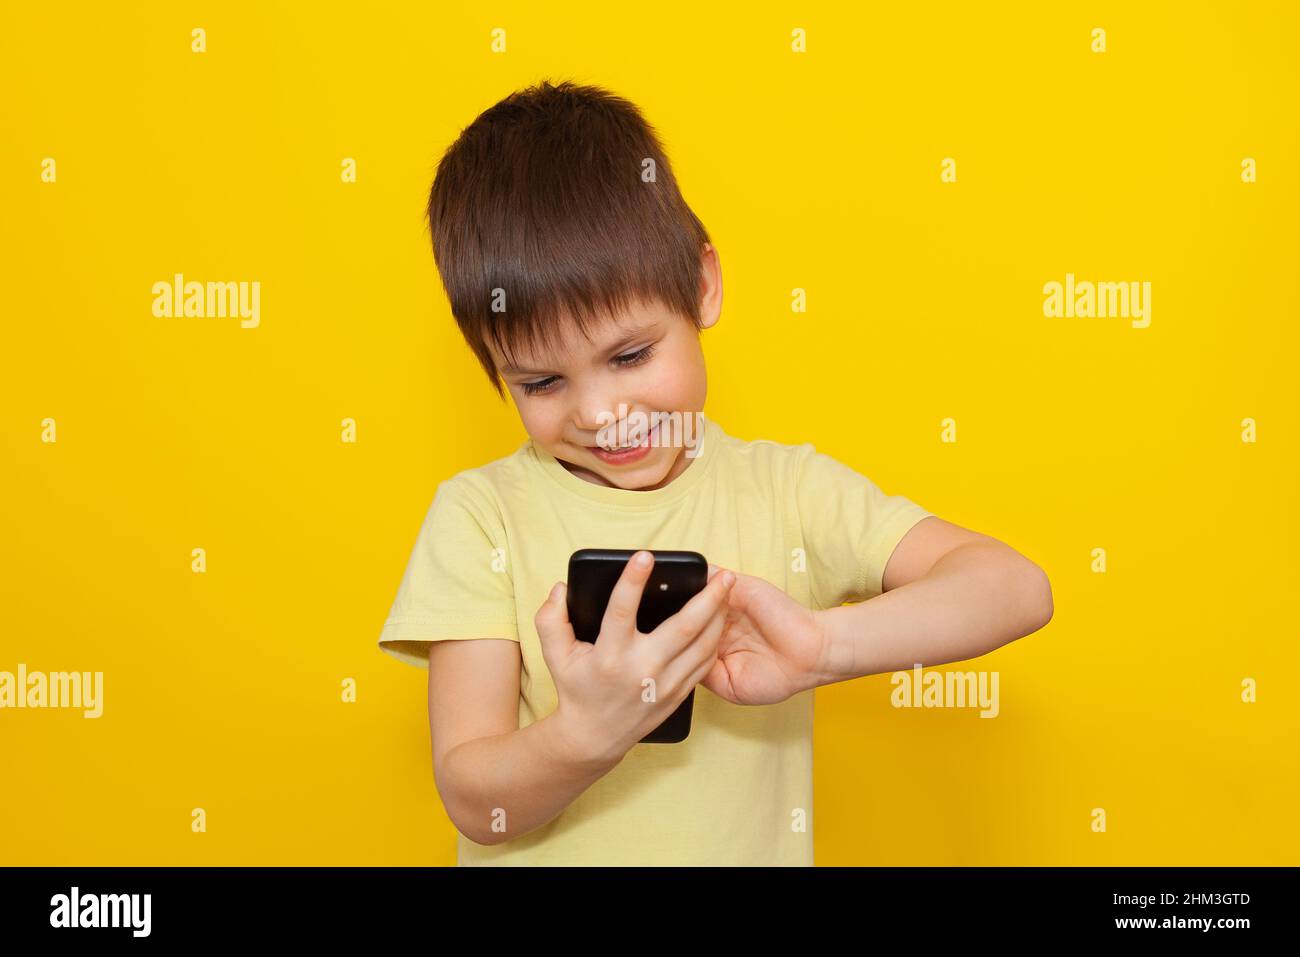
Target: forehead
column 602, row 337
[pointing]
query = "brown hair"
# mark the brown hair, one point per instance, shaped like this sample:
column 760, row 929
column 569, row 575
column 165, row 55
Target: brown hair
column 547, row 201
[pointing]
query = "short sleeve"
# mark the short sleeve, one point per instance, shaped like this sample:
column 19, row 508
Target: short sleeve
column 850, row 528
column 457, row 583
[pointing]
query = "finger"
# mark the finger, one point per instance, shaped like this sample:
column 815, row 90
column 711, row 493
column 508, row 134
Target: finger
column 699, row 658
column 554, row 630
column 677, row 631
column 702, row 650
column 718, row 680
column 619, row 621
column 704, row 670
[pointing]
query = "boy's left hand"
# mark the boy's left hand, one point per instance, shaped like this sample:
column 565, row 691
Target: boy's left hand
column 771, row 646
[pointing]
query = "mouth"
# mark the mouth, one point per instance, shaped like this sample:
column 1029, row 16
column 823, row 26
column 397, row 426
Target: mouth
column 625, row 454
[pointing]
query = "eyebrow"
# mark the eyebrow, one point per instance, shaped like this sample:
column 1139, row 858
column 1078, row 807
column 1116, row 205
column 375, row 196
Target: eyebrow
column 631, row 336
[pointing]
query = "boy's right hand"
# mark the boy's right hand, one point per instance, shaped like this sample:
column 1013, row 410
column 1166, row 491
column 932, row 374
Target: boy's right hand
column 601, row 686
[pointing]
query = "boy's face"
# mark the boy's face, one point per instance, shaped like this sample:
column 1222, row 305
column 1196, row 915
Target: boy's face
column 648, row 359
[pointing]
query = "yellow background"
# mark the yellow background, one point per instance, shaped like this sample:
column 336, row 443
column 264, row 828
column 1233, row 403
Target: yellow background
column 820, row 171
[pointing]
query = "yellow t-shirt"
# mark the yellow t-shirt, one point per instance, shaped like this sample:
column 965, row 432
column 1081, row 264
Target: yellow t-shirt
column 739, row 789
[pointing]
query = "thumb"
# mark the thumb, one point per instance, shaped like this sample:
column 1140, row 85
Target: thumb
column 554, row 630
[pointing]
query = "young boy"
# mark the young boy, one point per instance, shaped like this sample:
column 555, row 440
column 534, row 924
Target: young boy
column 578, row 274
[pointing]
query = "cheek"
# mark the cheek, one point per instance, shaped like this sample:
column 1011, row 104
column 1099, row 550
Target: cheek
column 540, row 421
column 533, row 422
column 683, row 387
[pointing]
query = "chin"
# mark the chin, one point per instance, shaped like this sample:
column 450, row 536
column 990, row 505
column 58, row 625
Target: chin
column 634, row 480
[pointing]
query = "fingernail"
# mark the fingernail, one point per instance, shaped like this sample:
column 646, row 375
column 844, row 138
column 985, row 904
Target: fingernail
column 555, row 591
column 643, row 559
column 727, row 579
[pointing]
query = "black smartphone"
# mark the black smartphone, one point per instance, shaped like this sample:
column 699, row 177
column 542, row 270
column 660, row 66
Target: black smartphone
column 676, row 576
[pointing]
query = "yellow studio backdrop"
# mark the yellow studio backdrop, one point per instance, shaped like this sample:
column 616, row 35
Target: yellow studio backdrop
column 215, row 513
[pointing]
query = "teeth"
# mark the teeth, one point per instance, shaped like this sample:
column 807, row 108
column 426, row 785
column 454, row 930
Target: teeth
column 623, row 448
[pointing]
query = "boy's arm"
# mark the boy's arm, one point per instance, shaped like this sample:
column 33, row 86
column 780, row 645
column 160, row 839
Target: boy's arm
column 949, row 594
column 486, row 768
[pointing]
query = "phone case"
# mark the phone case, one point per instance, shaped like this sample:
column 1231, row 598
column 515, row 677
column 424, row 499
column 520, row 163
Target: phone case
column 677, row 575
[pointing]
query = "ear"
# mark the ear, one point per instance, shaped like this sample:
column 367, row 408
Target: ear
column 710, row 287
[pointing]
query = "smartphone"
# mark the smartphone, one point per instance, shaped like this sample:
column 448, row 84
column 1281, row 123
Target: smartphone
column 676, row 576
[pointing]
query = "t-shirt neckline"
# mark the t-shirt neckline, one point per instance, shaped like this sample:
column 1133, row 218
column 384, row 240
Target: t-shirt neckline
column 706, row 453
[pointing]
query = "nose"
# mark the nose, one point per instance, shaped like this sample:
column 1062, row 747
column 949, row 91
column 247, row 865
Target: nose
column 596, row 407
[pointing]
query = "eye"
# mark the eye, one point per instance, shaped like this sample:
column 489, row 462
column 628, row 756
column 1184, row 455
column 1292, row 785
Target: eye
column 636, row 358
column 626, row 360
column 541, row 385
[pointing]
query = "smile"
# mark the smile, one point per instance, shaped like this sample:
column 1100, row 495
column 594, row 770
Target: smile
column 625, row 454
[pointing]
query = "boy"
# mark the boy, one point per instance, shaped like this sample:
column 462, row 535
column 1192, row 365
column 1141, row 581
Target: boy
column 578, row 274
